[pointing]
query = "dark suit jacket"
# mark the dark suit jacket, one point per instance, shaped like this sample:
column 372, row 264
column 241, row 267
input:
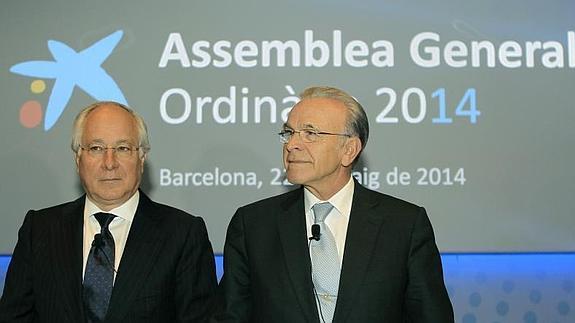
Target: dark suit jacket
column 166, row 273
column 391, row 268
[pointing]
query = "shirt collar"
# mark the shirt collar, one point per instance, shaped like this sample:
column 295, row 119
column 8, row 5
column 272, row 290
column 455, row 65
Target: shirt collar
column 341, row 200
column 125, row 211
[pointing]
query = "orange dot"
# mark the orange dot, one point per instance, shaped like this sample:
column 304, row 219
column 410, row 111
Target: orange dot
column 30, row 114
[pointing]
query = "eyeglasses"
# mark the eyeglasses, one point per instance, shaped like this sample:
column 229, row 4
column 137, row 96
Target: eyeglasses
column 306, row 135
column 120, row 151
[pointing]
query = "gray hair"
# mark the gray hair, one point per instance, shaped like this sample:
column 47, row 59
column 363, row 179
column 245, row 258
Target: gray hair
column 357, row 123
column 80, row 122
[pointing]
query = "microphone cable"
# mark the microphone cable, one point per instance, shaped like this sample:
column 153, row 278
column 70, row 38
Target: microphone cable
column 316, row 234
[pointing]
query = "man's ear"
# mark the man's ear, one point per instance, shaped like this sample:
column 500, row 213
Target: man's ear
column 352, row 147
column 77, row 160
column 142, row 160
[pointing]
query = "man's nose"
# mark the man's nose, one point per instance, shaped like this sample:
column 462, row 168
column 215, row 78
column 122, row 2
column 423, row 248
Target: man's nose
column 294, row 142
column 110, row 159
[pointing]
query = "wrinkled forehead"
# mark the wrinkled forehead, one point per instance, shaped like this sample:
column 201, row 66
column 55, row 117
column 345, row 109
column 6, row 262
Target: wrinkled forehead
column 110, row 124
column 318, row 113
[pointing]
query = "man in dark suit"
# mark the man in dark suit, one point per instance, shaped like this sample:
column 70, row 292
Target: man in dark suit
column 373, row 257
column 112, row 255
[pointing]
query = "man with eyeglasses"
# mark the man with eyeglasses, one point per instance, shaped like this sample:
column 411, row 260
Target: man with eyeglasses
column 113, row 255
column 331, row 250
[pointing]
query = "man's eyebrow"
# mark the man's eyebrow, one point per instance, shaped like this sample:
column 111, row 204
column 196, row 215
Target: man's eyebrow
column 124, row 141
column 119, row 141
column 305, row 126
column 309, row 126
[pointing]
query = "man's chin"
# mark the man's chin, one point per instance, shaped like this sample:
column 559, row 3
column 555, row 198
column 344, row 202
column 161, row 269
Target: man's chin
column 294, row 179
column 109, row 199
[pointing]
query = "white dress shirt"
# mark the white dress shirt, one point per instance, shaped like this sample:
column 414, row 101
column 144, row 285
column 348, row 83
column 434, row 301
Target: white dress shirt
column 338, row 218
column 119, row 227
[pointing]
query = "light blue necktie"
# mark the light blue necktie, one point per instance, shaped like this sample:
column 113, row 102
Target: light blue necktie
column 325, row 264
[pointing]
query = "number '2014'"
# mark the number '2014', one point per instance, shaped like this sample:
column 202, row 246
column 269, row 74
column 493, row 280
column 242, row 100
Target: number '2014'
column 413, row 106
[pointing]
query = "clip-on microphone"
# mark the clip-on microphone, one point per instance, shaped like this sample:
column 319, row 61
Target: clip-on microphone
column 315, row 232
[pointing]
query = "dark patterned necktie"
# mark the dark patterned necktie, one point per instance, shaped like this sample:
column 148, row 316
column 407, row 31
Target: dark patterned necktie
column 99, row 275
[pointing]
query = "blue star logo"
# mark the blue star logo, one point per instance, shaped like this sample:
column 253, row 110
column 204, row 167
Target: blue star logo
column 70, row 69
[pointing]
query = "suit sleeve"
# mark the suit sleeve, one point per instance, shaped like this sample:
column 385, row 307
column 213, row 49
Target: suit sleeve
column 234, row 292
column 17, row 302
column 426, row 298
column 195, row 276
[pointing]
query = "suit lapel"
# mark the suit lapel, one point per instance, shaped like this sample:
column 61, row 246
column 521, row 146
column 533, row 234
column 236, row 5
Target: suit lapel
column 69, row 256
column 363, row 229
column 292, row 232
column 139, row 255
